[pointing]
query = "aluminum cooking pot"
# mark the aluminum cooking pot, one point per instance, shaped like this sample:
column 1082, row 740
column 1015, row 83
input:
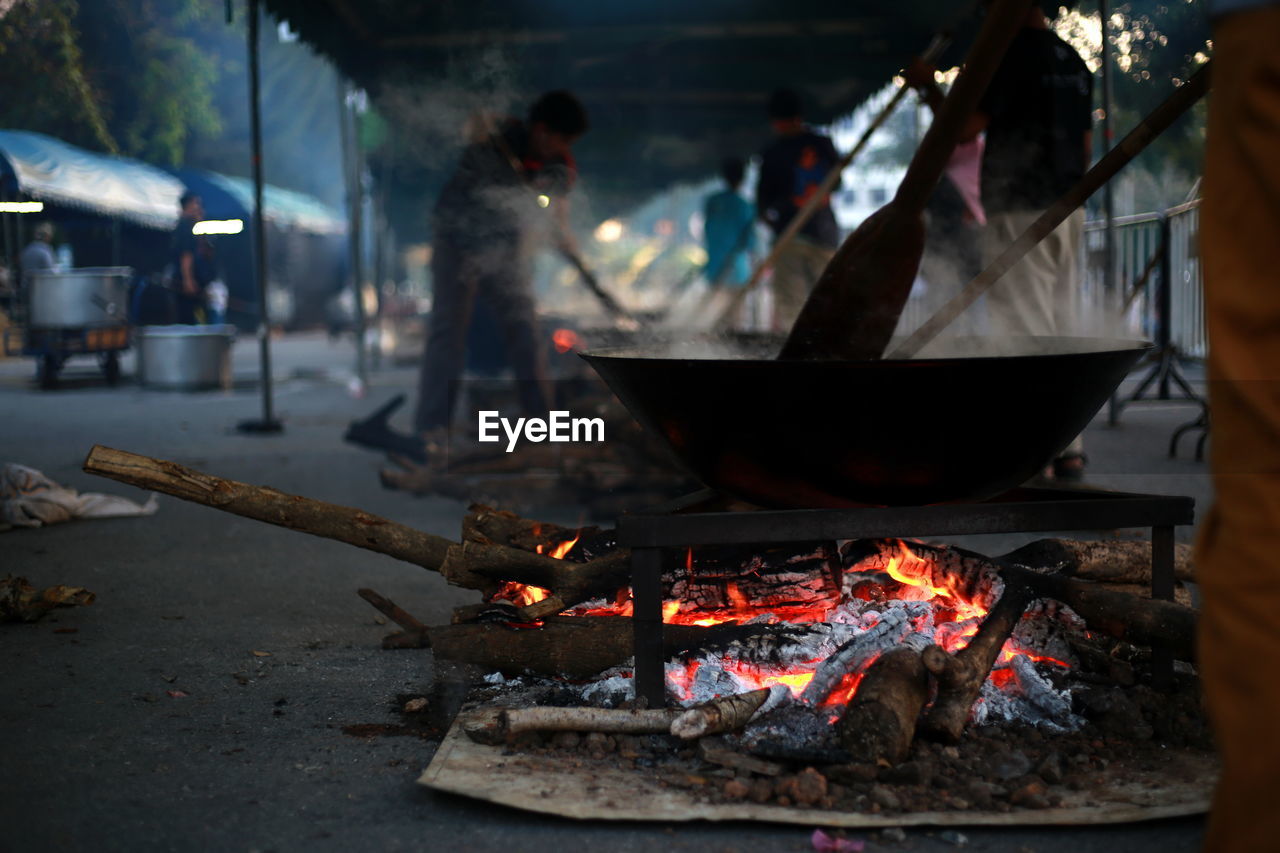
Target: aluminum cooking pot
column 185, row 358
column 78, row 298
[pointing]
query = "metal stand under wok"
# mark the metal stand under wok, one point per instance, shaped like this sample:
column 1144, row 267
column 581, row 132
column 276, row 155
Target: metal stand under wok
column 699, row 519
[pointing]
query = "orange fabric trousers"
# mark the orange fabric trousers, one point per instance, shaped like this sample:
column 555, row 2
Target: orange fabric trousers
column 1239, row 549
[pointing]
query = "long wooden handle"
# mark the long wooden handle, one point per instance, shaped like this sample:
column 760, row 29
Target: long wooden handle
column 1004, row 19
column 593, row 284
column 815, row 199
column 1138, row 139
column 262, row 503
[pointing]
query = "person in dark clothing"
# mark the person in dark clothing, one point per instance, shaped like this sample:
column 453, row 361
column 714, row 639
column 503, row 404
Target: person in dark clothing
column 1037, row 115
column 791, row 169
column 193, row 260
column 507, row 196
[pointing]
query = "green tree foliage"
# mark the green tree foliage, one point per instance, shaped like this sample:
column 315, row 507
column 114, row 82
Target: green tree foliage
column 1155, row 45
column 122, row 76
column 155, row 84
column 43, row 71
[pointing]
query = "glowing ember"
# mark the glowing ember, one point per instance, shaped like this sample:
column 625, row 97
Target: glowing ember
column 898, row 593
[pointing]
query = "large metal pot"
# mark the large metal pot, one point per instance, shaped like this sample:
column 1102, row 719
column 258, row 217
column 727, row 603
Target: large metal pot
column 842, row 433
column 78, row 298
column 185, row 358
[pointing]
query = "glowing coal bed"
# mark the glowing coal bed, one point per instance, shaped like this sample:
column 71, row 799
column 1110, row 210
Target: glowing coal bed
column 835, row 614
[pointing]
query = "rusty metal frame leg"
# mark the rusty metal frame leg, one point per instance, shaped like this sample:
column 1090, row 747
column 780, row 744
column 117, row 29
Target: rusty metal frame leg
column 646, row 619
column 1162, row 587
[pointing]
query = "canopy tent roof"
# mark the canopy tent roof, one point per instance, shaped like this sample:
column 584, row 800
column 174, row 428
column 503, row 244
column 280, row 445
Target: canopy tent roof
column 672, row 86
column 227, row 197
column 49, row 169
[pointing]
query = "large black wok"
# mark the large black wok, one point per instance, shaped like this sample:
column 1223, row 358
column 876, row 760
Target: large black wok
column 843, row 433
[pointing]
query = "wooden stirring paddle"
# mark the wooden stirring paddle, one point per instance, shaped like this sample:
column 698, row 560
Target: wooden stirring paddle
column 855, row 305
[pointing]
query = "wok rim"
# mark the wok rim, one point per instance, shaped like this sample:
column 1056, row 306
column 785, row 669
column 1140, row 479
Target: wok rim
column 1115, row 345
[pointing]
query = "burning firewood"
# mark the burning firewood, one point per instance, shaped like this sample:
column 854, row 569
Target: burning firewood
column 960, row 676
column 853, row 655
column 880, row 722
column 1141, row 621
column 493, row 563
column 977, row 578
column 499, row 527
column 721, row 715
column 573, row 646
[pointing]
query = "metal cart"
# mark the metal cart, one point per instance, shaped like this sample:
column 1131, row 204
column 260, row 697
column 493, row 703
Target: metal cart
column 79, row 312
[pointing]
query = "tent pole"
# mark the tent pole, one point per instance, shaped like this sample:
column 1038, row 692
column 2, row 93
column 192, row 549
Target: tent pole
column 355, row 204
column 10, row 258
column 268, row 423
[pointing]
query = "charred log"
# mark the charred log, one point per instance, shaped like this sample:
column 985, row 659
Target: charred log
column 960, row 676
column 1141, row 621
column 979, row 579
column 853, row 655
column 573, row 646
column 472, row 564
column 1112, row 561
column 499, row 527
column 880, row 722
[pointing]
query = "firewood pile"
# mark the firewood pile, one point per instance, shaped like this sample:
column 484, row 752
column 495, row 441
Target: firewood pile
column 863, row 658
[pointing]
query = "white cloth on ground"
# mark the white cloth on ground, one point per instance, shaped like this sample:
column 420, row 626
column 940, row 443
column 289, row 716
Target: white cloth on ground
column 30, row 499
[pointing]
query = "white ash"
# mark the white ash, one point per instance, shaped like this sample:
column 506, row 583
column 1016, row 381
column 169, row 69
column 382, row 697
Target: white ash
column 793, row 647
column 1046, row 626
column 613, row 687
column 1054, row 704
column 1032, row 700
column 886, row 629
column 779, row 695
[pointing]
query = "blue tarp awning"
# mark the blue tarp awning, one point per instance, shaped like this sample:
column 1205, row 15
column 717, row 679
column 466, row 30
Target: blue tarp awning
column 53, row 171
column 281, row 207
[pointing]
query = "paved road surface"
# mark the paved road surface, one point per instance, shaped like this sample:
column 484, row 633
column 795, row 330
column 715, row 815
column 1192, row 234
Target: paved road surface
column 97, row 755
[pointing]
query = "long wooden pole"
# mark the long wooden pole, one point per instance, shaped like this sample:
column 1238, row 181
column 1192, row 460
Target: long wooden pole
column 332, row 521
column 474, row 565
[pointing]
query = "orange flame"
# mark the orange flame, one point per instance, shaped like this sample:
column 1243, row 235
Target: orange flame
column 563, row 548
column 955, row 620
column 519, row 594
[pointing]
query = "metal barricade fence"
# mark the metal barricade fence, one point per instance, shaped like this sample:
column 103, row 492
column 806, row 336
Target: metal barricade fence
column 1186, row 279
column 1137, row 243
column 1140, row 264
